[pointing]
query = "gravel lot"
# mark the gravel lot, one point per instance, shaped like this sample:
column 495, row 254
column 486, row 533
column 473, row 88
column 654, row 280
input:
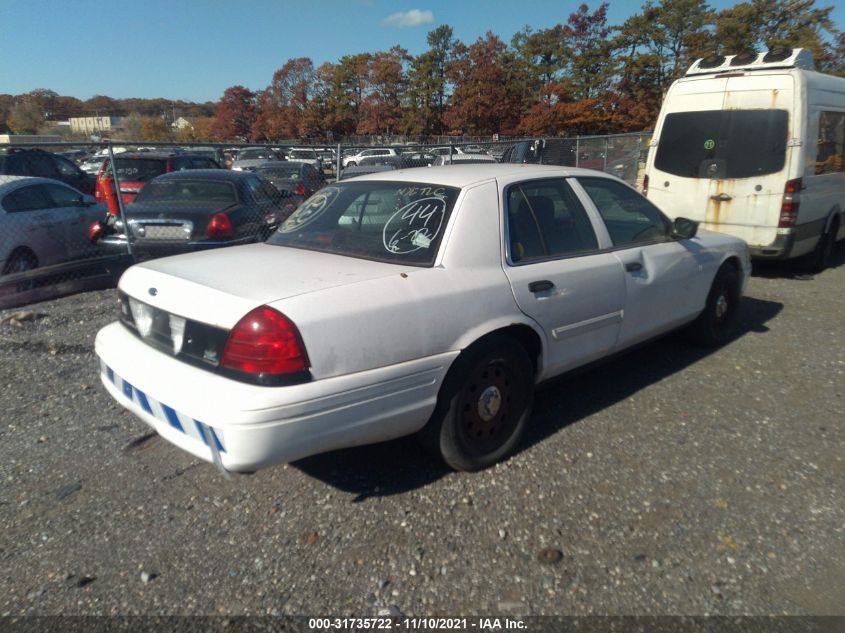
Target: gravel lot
column 671, row 480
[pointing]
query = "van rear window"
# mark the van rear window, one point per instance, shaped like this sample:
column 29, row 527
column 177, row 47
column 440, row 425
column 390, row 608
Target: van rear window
column 723, row 143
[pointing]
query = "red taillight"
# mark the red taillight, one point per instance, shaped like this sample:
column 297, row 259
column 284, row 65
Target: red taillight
column 265, row 341
column 645, row 185
column 95, row 231
column 791, row 203
column 220, row 226
column 300, row 189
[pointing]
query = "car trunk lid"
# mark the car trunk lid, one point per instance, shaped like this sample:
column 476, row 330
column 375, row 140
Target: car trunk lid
column 219, row 290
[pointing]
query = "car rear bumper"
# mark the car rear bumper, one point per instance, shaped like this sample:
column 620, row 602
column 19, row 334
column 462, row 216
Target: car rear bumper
column 248, row 426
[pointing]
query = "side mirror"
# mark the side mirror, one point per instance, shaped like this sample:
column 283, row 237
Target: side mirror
column 684, row 229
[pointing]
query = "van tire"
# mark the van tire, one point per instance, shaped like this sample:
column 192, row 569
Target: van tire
column 496, row 365
column 718, row 322
column 820, row 258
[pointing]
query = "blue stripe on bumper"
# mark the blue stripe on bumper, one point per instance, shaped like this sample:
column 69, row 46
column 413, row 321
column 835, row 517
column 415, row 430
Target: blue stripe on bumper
column 171, row 416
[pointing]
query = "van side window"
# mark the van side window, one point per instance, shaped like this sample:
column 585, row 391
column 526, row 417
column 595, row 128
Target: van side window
column 830, row 152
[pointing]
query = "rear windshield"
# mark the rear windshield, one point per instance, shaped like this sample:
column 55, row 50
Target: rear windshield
column 138, row 169
column 282, row 173
column 255, row 154
column 723, row 143
column 302, row 153
column 169, row 191
column 398, row 222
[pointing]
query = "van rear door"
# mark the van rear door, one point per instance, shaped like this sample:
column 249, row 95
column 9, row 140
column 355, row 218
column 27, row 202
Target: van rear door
column 726, row 166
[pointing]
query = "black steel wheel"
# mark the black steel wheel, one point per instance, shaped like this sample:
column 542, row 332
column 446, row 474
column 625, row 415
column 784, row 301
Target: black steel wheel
column 484, row 404
column 719, row 320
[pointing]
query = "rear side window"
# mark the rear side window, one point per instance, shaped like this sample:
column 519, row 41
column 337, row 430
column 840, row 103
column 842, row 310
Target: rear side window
column 32, row 198
column 830, row 150
column 546, row 220
column 723, row 143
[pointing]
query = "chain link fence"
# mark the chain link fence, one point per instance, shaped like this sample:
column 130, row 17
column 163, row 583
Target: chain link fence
column 75, row 215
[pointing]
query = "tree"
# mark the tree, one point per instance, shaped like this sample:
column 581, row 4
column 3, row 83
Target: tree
column 767, row 24
column 235, row 114
column 381, row 108
column 282, row 105
column 155, row 128
column 483, row 100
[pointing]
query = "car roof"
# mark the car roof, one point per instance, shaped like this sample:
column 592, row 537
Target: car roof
column 10, row 183
column 465, row 175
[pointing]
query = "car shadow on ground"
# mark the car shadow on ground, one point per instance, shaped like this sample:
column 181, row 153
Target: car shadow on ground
column 402, row 465
column 797, row 268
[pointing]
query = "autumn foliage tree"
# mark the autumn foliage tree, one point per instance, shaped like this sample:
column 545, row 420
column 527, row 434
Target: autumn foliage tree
column 235, row 115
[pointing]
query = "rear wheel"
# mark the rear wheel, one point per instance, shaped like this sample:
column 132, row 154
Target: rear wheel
column 719, row 320
column 483, row 406
column 19, row 262
column 820, row 258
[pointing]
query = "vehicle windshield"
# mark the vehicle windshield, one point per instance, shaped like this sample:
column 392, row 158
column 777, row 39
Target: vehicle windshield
column 302, row 153
column 138, row 169
column 395, row 222
column 170, row 191
column 723, row 143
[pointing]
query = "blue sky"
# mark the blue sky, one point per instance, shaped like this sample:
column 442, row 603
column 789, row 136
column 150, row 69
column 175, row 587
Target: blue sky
column 195, row 49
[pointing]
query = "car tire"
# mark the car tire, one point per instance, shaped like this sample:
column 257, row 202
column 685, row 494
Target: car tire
column 820, row 258
column 483, row 405
column 19, row 262
column 351, row 163
column 719, row 321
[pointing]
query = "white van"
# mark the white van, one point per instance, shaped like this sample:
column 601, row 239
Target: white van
column 754, row 145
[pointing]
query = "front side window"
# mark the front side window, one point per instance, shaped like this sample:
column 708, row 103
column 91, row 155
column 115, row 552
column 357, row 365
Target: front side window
column 545, row 220
column 723, row 144
column 396, row 222
column 629, row 217
column 66, row 168
column 64, row 196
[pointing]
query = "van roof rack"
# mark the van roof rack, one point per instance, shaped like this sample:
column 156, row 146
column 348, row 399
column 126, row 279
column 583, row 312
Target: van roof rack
column 752, row 60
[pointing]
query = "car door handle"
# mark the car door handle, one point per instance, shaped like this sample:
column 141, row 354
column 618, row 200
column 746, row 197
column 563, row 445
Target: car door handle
column 540, row 286
column 633, row 267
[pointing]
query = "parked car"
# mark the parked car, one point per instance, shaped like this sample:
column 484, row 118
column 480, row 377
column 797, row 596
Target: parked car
column 308, row 156
column 362, row 170
column 295, row 181
column 43, row 222
column 136, row 169
column 19, row 161
column 354, row 157
column 428, row 300
column 195, row 210
column 214, row 153
column 444, row 151
column 92, row 164
column 252, row 156
column 463, row 159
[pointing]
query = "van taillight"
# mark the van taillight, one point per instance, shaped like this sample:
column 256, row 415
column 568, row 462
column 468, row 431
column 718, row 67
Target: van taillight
column 265, row 342
column 791, row 203
column 645, row 185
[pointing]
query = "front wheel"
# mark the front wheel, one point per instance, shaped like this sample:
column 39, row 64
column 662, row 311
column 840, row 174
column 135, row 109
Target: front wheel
column 719, row 320
column 483, row 406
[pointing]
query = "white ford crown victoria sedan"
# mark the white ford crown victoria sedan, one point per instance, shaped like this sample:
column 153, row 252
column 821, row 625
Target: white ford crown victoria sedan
column 427, row 300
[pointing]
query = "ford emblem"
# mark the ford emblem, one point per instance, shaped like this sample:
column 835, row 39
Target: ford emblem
column 153, row 292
